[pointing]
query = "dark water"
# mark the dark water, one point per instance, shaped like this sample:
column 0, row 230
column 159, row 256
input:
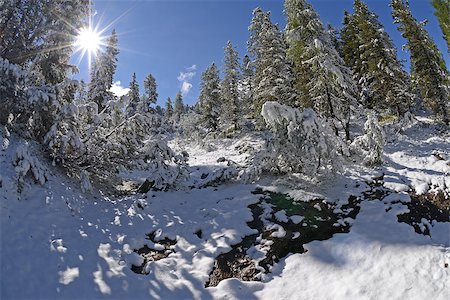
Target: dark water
column 320, row 223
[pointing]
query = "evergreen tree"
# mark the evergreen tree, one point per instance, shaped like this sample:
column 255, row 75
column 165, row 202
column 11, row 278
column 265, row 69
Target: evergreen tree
column 246, row 97
column 110, row 57
column 229, row 87
column 81, row 93
column 322, row 80
column 36, row 39
column 209, row 100
column 53, row 59
column 178, row 108
column 41, row 32
column 349, row 49
column 334, row 36
column 428, row 68
column 159, row 110
column 273, row 78
column 151, row 95
column 102, row 73
column 371, row 54
column 442, row 8
column 133, row 95
column 169, row 108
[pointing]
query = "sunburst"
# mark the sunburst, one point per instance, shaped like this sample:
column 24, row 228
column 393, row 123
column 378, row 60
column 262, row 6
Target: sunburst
column 89, row 41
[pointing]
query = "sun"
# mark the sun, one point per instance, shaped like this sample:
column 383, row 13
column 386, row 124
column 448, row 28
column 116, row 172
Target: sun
column 88, row 40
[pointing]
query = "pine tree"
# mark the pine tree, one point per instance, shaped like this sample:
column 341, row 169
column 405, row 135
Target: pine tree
column 442, row 8
column 248, row 73
column 151, row 95
column 371, row 54
column 322, row 80
column 169, row 108
column 159, row 110
column 349, row 49
column 428, row 68
column 53, row 58
column 133, row 96
column 301, row 142
column 273, row 79
column 41, row 32
column 36, row 39
column 110, row 57
column 229, row 86
column 102, row 73
column 209, row 101
column 178, row 108
column 81, row 94
column 334, row 36
column 370, row 145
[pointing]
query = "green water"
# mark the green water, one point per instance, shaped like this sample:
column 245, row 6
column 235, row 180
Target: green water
column 315, row 212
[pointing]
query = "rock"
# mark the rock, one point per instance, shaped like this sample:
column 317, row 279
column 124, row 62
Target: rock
column 146, row 186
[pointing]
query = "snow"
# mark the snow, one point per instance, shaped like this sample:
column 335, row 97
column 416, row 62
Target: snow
column 281, row 216
column 278, row 232
column 378, row 259
column 412, row 159
column 58, row 242
column 296, row 219
column 69, row 275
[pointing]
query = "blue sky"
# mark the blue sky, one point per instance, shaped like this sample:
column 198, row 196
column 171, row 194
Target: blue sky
column 175, row 40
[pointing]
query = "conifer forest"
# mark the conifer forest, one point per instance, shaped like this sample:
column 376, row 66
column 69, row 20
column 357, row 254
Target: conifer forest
column 314, row 164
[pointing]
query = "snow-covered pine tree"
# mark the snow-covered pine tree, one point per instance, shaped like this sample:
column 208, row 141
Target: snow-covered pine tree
column 64, row 138
column 334, row 36
column 428, row 68
column 41, row 32
column 442, row 12
column 150, row 94
column 20, row 29
column 273, row 79
column 53, row 58
column 36, row 39
column 322, row 80
column 302, row 141
column 169, row 108
column 349, row 49
column 133, row 96
column 81, row 93
column 209, row 100
column 22, row 97
column 246, row 87
column 372, row 56
column 178, row 108
column 102, row 73
column 230, row 113
column 370, row 145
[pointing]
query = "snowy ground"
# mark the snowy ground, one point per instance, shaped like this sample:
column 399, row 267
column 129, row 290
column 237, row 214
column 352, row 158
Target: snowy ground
column 57, row 242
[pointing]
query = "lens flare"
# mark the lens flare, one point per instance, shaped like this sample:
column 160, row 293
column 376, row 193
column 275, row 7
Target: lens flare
column 88, row 40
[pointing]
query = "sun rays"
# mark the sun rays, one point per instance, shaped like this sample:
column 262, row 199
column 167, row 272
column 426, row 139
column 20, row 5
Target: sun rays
column 91, row 39
column 89, row 42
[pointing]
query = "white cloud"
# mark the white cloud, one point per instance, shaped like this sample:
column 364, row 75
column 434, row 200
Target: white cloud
column 185, row 78
column 192, row 68
column 185, row 88
column 118, row 90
